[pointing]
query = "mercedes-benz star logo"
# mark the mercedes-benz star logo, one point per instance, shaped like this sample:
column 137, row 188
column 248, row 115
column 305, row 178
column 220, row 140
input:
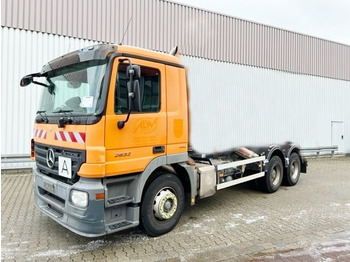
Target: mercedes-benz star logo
column 50, row 158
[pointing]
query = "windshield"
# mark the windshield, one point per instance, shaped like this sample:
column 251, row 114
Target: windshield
column 75, row 89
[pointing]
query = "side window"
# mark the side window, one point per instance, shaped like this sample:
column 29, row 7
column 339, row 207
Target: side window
column 149, row 90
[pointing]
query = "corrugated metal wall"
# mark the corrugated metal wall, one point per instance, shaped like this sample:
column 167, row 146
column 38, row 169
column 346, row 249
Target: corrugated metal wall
column 265, row 105
column 159, row 25
column 24, row 52
column 308, row 103
column 238, row 105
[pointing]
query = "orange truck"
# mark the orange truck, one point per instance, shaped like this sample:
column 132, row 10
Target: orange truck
column 111, row 144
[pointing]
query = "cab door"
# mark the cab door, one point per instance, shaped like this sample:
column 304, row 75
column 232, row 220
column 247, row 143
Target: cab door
column 131, row 148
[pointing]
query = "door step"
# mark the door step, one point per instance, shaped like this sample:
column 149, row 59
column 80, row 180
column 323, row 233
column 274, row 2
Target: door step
column 121, row 226
column 121, row 200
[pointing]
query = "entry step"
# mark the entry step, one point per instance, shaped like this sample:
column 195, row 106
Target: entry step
column 122, row 225
column 121, row 200
column 119, row 225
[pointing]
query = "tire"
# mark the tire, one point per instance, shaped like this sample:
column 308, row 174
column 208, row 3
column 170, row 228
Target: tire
column 272, row 180
column 162, row 205
column 293, row 174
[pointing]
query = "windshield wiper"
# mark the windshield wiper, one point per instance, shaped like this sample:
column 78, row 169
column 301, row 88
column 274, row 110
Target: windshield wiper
column 43, row 117
column 62, row 122
column 63, row 111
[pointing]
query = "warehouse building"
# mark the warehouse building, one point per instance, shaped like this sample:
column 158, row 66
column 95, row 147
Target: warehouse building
column 307, row 79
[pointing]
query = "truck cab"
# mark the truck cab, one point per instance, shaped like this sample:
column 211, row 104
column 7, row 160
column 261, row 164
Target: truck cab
column 111, row 144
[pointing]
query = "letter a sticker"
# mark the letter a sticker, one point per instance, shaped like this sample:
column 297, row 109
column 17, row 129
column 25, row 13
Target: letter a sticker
column 65, row 167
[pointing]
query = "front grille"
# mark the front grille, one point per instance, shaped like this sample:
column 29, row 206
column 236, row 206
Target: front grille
column 78, row 158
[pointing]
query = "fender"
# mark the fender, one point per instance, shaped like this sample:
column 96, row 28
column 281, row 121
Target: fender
column 285, row 151
column 303, row 161
column 274, row 148
column 140, row 183
column 270, row 151
column 292, row 148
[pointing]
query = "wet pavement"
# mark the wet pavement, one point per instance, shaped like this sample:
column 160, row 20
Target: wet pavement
column 308, row 222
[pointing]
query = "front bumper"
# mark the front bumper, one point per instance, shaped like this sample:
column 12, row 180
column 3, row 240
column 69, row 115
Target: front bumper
column 52, row 198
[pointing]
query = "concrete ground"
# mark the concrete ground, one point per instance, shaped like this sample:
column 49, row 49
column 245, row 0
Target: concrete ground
column 308, row 222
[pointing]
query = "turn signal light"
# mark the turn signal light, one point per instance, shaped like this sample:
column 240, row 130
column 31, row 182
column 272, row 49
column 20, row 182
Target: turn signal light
column 32, row 154
column 100, row 196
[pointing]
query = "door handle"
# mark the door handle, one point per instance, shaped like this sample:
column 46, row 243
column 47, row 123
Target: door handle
column 158, row 149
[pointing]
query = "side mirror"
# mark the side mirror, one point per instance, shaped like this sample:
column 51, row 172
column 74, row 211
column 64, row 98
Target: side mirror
column 134, row 96
column 133, row 72
column 26, row 80
column 136, row 102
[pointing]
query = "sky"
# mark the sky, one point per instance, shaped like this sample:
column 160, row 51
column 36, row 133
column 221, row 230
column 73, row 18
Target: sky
column 327, row 19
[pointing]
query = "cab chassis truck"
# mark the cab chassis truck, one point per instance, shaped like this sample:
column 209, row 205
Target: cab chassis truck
column 111, row 144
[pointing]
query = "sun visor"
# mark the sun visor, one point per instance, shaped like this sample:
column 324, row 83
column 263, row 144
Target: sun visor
column 95, row 52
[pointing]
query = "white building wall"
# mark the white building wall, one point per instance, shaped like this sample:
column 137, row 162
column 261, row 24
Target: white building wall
column 231, row 104
column 24, row 52
column 162, row 24
column 235, row 105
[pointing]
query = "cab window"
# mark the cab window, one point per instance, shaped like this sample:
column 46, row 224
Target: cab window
column 149, row 90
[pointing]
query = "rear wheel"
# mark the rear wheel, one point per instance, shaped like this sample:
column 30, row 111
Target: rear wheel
column 272, row 181
column 293, row 173
column 162, row 205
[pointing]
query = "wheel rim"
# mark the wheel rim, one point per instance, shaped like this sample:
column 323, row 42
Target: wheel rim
column 294, row 170
column 165, row 204
column 275, row 175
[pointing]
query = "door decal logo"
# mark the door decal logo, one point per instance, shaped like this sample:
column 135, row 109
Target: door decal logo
column 147, row 125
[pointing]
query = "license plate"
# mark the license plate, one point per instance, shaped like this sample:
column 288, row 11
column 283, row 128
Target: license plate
column 65, row 167
column 50, row 187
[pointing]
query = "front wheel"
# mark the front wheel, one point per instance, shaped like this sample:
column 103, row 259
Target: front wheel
column 293, row 174
column 162, row 205
column 272, row 180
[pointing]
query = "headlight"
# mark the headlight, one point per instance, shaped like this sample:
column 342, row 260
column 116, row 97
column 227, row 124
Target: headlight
column 79, row 198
